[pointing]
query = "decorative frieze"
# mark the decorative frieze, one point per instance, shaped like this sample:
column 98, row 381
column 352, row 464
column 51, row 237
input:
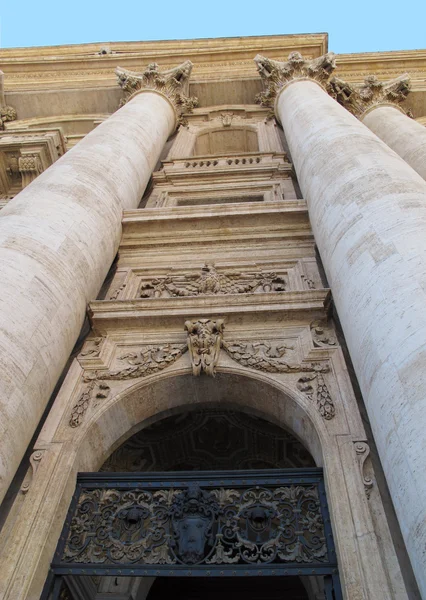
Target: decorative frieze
column 212, row 282
column 372, row 93
column 173, row 84
column 204, row 343
column 275, row 74
column 24, row 154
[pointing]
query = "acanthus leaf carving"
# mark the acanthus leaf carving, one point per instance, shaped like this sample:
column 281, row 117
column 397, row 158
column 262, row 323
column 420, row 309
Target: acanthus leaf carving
column 362, row 450
column 212, row 282
column 173, row 84
column 205, row 338
column 358, row 99
column 275, row 74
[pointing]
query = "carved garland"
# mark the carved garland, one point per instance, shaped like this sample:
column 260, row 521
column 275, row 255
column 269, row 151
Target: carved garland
column 212, row 282
column 205, row 340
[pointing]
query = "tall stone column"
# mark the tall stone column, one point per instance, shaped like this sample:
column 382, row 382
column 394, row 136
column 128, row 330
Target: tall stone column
column 368, row 213
column 58, row 238
column 377, row 105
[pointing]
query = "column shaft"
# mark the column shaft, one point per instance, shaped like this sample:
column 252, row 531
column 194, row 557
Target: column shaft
column 402, row 134
column 368, row 213
column 58, row 238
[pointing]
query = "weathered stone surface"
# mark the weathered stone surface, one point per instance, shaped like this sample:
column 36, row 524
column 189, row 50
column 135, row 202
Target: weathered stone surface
column 368, row 213
column 57, row 240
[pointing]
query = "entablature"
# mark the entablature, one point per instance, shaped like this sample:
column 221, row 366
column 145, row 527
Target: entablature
column 24, row 154
column 266, row 308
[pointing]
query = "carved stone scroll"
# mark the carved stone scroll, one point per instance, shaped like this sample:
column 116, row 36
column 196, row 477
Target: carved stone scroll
column 372, row 93
column 362, row 450
column 204, row 343
column 275, row 75
column 212, row 282
column 174, row 84
column 35, row 459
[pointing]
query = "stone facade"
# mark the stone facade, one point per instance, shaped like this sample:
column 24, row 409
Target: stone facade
column 217, row 304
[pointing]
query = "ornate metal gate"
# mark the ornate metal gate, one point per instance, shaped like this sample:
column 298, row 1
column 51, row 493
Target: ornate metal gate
column 208, row 524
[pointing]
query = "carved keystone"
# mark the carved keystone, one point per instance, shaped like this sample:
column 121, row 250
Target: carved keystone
column 372, row 93
column 173, row 84
column 204, row 344
column 276, row 75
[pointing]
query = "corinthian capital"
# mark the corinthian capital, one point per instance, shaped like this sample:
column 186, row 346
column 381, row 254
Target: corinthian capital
column 276, row 75
column 372, row 93
column 173, row 84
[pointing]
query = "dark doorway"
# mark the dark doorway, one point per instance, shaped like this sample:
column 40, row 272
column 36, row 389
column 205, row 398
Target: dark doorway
column 228, row 588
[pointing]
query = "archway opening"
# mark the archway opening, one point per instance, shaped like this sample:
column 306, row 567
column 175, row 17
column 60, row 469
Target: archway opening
column 210, row 439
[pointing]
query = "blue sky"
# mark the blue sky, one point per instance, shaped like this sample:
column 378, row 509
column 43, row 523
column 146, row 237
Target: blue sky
column 356, row 26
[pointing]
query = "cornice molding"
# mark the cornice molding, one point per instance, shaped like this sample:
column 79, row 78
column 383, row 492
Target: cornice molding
column 361, row 99
column 277, row 75
column 172, row 84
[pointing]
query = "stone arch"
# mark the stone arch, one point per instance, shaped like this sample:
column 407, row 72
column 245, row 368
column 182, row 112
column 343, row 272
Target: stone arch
column 140, row 404
column 169, row 393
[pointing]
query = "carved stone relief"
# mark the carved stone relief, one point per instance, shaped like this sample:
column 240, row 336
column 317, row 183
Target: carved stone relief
column 322, row 334
column 7, row 114
column 174, row 84
column 275, row 75
column 205, row 340
column 359, row 99
column 204, row 343
column 91, row 348
column 362, row 450
column 212, row 282
column 35, row 459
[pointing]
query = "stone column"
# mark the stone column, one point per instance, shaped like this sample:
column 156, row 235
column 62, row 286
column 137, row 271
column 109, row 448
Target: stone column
column 377, row 105
column 368, row 212
column 58, row 238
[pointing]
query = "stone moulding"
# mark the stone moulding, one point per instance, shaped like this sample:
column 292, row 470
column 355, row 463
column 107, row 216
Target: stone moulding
column 373, row 93
column 173, row 84
column 276, row 75
column 204, row 343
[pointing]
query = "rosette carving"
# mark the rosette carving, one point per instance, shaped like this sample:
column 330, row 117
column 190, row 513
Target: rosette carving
column 173, row 84
column 372, row 93
column 276, row 75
